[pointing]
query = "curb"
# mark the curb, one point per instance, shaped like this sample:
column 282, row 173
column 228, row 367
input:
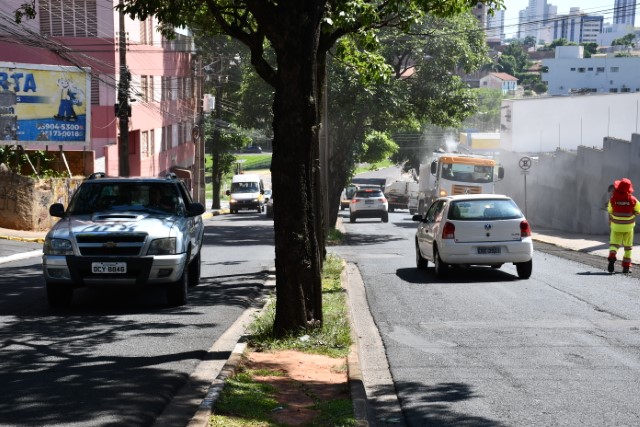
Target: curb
column 230, row 368
column 24, row 239
column 361, row 408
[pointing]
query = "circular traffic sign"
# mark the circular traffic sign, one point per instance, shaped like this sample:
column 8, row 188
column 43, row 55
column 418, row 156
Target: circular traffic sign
column 525, row 163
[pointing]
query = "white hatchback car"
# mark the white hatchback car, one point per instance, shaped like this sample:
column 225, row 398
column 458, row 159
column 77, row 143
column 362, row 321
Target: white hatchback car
column 369, row 203
column 480, row 229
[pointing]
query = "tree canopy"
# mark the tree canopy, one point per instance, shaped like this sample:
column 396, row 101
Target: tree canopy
column 288, row 42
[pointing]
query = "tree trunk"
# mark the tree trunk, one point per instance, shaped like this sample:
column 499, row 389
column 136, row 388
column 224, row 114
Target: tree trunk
column 293, row 175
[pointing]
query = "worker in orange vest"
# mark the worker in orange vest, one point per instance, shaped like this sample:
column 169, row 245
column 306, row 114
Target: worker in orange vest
column 623, row 208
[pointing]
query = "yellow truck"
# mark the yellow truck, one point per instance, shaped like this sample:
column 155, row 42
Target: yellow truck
column 454, row 173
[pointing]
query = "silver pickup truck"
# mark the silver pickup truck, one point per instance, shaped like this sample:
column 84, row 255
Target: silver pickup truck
column 124, row 233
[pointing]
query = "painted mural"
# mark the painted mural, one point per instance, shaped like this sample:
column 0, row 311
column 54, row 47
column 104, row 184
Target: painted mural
column 44, row 104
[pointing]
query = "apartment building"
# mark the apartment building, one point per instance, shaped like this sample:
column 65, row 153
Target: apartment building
column 578, row 27
column 162, row 89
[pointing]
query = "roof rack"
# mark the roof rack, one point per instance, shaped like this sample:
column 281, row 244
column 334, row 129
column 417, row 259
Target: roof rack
column 97, row 175
column 171, row 175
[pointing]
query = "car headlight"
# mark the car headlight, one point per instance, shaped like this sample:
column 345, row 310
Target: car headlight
column 255, row 200
column 166, row 246
column 233, row 201
column 57, row 247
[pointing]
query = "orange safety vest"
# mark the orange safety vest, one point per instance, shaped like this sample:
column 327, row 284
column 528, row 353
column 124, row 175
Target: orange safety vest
column 623, row 208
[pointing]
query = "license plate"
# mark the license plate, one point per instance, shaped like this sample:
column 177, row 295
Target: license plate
column 489, row 250
column 368, row 202
column 108, row 267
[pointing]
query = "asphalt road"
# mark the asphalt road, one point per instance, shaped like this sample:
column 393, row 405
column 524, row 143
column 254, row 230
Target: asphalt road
column 116, row 359
column 484, row 348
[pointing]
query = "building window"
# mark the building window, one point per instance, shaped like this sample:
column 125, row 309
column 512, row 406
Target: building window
column 68, row 18
column 590, row 69
column 613, row 90
column 573, row 68
column 581, row 70
column 146, row 31
column 615, row 69
column 625, row 90
column 144, row 144
column 95, row 90
column 152, row 142
column 600, row 69
column 144, row 82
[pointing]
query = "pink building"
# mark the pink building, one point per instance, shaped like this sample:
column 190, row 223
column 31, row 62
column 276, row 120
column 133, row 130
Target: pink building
column 163, row 90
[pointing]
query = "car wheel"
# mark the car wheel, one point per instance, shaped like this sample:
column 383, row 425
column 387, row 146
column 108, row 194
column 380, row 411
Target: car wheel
column 177, row 292
column 421, row 262
column 352, row 218
column 441, row 267
column 385, row 217
column 524, row 269
column 59, row 295
column 194, row 271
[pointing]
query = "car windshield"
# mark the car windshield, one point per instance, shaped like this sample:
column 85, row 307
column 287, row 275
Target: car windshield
column 480, row 174
column 483, row 210
column 124, row 196
column 245, row 187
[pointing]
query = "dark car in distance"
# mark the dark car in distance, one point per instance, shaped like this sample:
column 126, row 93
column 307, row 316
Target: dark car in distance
column 252, row 149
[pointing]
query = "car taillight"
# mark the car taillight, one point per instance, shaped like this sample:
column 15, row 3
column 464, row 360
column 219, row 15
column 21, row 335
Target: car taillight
column 354, row 200
column 448, row 231
column 525, row 229
column 382, row 200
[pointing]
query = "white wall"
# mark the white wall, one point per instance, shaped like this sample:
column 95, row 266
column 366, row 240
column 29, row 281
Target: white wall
column 566, row 122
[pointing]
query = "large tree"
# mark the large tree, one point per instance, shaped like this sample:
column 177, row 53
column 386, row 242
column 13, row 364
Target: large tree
column 300, row 32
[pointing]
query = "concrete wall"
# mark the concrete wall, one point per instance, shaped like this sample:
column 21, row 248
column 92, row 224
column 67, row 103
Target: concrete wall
column 544, row 124
column 24, row 201
column 566, row 190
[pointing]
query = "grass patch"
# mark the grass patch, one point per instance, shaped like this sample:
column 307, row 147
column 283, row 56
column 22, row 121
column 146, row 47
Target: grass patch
column 335, row 237
column 244, row 402
column 367, row 167
column 332, row 340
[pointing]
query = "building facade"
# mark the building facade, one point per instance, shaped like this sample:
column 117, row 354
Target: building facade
column 624, row 12
column 578, row 27
column 569, row 72
column 161, row 84
column 536, row 21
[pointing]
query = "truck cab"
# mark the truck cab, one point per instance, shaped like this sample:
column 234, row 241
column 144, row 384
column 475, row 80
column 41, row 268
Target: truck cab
column 453, row 173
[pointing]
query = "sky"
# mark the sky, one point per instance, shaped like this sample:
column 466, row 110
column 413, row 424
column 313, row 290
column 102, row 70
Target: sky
column 593, row 7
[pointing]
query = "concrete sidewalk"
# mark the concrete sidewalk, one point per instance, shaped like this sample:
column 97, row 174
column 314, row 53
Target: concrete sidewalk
column 594, row 244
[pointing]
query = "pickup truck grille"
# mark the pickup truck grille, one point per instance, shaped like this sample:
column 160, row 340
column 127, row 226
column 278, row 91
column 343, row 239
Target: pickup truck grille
column 111, row 244
column 466, row 189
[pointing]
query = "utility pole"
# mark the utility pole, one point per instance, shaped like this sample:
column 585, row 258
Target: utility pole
column 123, row 110
column 198, row 139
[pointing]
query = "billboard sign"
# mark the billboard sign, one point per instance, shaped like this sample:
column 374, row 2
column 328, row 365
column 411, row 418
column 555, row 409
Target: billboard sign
column 44, row 104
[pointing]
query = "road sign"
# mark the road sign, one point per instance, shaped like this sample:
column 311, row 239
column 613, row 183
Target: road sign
column 525, row 163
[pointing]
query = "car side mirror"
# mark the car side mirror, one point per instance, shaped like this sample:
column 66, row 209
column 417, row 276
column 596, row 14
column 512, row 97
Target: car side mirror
column 417, row 217
column 228, row 193
column 500, row 172
column 195, row 209
column 57, row 210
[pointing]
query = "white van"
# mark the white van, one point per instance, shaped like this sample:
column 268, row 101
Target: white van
column 247, row 192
